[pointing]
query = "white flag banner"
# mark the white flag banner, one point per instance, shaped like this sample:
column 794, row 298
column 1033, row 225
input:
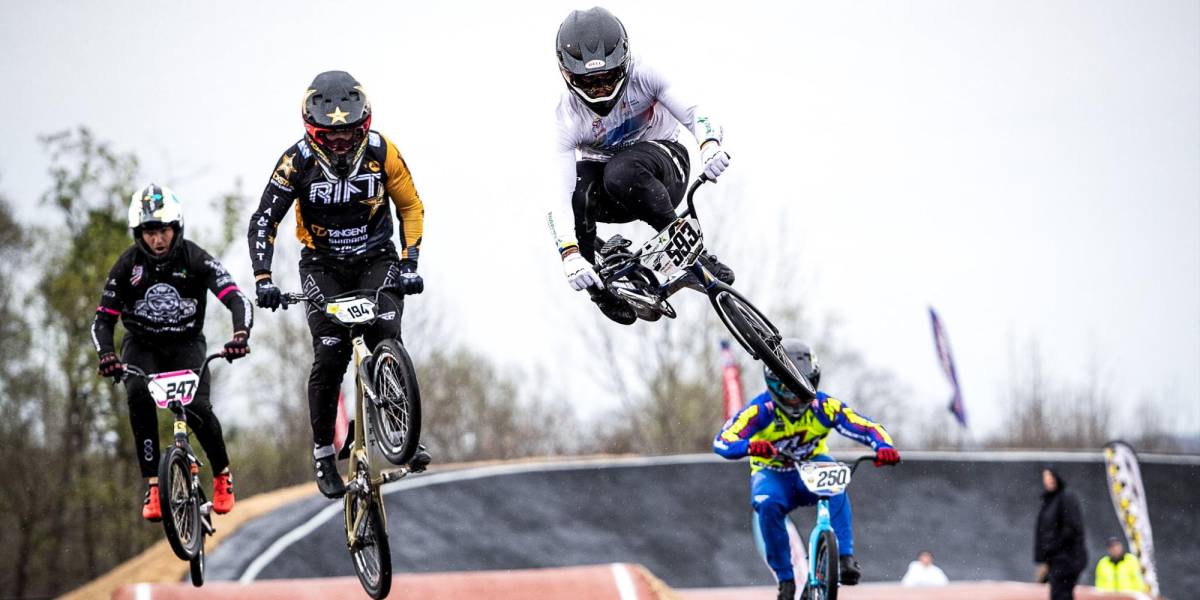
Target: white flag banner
column 1129, row 499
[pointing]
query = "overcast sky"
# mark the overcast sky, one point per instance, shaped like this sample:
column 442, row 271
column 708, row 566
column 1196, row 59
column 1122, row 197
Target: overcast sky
column 1031, row 169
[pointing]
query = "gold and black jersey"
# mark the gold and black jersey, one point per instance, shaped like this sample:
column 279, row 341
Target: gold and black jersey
column 339, row 217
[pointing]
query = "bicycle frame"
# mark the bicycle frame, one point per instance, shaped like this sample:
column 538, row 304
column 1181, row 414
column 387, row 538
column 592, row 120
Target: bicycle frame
column 358, row 449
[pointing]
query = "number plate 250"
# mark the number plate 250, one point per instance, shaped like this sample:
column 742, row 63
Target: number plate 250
column 825, row 478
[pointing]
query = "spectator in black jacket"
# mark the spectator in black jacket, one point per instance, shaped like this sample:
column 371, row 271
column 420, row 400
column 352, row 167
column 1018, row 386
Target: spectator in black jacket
column 1058, row 541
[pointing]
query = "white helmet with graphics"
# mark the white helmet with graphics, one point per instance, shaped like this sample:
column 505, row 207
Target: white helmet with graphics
column 155, row 206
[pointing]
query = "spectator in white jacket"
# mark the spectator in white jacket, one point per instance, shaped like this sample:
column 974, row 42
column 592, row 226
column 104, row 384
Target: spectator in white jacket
column 922, row 572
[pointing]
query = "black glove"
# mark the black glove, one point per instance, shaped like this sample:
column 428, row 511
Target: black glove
column 269, row 296
column 111, row 366
column 410, row 282
column 237, row 347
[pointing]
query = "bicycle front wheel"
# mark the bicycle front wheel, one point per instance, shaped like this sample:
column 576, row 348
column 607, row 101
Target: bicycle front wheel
column 396, row 416
column 180, row 506
column 197, row 568
column 369, row 549
column 761, row 339
column 827, row 567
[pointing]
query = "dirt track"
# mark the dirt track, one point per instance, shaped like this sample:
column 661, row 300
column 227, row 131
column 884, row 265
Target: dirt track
column 601, row 582
column 604, row 582
column 606, row 503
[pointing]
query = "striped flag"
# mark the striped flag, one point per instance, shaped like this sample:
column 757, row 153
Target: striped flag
column 942, row 343
column 1129, row 499
column 731, row 377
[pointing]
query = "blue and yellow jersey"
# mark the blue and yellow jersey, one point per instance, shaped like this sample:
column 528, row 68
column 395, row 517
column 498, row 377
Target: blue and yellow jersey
column 804, row 437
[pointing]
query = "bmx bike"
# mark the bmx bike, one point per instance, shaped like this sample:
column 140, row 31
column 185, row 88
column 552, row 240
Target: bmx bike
column 670, row 261
column 387, row 416
column 187, row 518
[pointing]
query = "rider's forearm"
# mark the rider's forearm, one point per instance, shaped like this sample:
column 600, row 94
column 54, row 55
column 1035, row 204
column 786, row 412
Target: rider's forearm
column 102, row 332
column 868, row 433
column 261, row 240
column 731, row 450
column 264, row 223
column 566, row 244
column 241, row 310
column 410, row 210
column 561, row 215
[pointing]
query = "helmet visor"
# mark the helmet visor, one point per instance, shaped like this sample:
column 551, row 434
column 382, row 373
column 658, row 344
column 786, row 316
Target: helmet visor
column 782, row 392
column 337, row 142
column 602, row 85
column 341, row 140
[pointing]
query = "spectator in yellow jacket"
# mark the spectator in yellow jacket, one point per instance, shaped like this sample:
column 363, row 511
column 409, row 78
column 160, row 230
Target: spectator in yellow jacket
column 1119, row 571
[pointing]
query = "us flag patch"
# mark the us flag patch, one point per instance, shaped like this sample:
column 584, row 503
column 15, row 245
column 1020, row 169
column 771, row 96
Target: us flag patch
column 137, row 275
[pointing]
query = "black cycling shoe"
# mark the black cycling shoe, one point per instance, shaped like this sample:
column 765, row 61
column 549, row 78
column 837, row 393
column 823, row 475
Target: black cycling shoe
column 613, row 306
column 328, row 480
column 719, row 269
column 850, row 571
column 420, row 461
column 787, row 590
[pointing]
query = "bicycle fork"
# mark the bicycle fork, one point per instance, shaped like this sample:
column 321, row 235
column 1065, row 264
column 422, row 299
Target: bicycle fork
column 823, row 524
column 180, row 430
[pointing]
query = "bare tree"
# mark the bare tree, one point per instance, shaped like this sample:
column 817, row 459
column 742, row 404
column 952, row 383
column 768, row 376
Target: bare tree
column 1050, row 411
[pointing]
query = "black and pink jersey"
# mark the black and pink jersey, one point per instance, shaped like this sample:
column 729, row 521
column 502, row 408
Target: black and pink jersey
column 164, row 301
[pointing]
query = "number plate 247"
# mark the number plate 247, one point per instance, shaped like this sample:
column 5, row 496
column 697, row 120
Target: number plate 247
column 176, row 385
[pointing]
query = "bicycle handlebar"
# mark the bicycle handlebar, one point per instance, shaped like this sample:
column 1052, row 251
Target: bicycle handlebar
column 853, row 466
column 298, row 297
column 691, row 209
column 139, row 372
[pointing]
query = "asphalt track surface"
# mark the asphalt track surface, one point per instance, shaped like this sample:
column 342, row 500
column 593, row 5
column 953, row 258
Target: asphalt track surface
column 687, row 519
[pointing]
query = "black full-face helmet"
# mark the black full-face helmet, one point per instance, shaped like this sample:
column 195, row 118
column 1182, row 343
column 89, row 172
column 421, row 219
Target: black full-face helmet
column 810, row 368
column 593, row 56
column 335, row 102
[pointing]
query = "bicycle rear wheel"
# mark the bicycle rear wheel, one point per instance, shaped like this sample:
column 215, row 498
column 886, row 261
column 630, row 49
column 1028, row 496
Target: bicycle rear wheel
column 397, row 415
column 827, row 567
column 761, row 339
column 181, row 508
column 370, row 551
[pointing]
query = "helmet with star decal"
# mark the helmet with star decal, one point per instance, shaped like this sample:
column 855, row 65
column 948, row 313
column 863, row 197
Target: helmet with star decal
column 337, row 117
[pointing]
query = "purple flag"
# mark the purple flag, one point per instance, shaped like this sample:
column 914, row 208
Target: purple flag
column 942, row 343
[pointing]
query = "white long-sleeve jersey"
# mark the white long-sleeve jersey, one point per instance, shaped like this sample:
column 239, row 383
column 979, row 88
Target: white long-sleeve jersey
column 648, row 110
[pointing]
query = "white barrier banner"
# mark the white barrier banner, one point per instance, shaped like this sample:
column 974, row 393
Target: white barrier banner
column 1129, row 500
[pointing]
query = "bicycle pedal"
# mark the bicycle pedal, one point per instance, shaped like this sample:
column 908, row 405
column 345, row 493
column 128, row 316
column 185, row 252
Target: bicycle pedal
column 616, row 242
column 397, row 474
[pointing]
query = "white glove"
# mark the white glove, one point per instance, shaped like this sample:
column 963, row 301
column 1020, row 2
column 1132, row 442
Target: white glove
column 715, row 160
column 580, row 273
